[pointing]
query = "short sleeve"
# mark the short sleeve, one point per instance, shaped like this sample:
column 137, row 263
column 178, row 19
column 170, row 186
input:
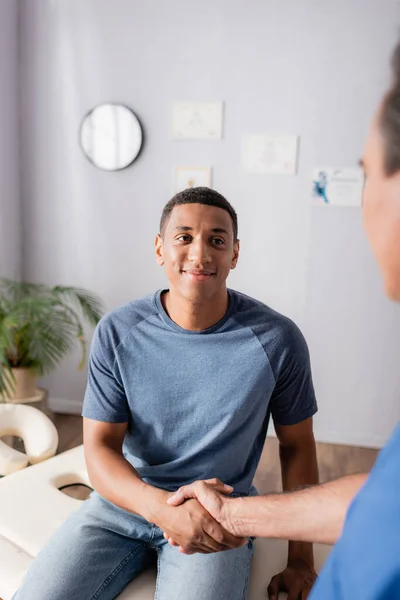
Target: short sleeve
column 105, row 398
column 293, row 399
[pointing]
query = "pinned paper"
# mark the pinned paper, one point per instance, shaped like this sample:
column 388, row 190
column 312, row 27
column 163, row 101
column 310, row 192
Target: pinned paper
column 338, row 186
column 197, row 120
column 187, row 177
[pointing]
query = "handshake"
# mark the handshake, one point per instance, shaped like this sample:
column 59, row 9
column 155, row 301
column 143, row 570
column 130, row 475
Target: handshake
column 212, row 495
column 196, row 518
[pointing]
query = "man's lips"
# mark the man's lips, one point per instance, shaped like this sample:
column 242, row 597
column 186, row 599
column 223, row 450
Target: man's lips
column 197, row 275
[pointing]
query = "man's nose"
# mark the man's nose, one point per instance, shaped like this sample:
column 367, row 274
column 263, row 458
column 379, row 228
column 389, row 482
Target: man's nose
column 199, row 252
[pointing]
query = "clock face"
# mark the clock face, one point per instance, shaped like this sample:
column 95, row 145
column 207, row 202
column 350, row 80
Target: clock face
column 111, row 136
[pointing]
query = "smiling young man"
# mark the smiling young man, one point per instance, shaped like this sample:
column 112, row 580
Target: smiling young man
column 365, row 562
column 181, row 386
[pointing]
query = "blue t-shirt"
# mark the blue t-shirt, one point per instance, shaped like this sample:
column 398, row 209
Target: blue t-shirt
column 198, row 403
column 365, row 563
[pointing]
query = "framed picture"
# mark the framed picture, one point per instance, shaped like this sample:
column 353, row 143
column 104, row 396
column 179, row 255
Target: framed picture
column 271, row 154
column 197, row 120
column 188, row 177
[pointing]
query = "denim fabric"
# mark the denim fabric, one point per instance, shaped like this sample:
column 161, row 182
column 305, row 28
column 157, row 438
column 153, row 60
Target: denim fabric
column 100, row 548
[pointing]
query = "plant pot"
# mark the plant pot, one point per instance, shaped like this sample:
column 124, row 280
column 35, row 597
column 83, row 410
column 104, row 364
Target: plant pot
column 25, row 384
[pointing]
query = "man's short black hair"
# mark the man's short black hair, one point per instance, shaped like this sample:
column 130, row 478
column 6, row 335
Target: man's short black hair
column 199, row 195
column 390, row 119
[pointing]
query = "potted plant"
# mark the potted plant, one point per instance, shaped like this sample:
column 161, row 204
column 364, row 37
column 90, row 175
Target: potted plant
column 38, row 327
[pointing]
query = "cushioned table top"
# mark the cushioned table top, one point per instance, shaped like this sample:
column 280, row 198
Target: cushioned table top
column 31, row 507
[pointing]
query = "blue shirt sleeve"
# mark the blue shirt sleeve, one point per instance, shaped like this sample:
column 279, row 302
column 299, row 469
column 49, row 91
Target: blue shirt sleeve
column 293, row 399
column 105, row 398
column 365, row 562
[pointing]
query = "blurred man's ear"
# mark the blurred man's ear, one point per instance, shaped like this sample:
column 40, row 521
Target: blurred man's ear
column 159, row 250
column 235, row 255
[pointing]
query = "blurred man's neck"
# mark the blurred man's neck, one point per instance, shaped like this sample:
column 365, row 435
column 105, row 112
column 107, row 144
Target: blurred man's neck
column 195, row 316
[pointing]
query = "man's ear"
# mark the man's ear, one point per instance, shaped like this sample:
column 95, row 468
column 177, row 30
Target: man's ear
column 235, row 255
column 159, row 250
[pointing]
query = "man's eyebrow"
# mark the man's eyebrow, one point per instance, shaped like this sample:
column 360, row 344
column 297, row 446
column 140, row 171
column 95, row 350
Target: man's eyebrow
column 220, row 230
column 214, row 230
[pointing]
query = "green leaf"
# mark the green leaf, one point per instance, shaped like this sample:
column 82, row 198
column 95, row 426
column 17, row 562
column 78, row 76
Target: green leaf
column 91, row 307
column 39, row 326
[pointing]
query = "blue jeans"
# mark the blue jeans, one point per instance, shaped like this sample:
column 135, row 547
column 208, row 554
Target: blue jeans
column 100, row 548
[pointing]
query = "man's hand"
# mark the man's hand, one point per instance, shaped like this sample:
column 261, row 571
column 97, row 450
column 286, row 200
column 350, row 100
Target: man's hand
column 211, row 494
column 192, row 528
column 297, row 580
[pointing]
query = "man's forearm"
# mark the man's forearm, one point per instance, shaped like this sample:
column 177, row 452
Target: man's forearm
column 117, row 481
column 315, row 514
column 299, row 469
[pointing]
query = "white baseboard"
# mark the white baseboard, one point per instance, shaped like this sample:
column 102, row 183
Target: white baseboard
column 64, row 406
column 355, row 439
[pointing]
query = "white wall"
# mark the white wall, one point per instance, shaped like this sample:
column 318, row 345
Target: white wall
column 10, row 245
column 312, row 68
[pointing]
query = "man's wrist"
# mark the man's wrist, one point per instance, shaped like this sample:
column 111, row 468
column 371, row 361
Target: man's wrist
column 301, row 551
column 151, row 502
column 233, row 516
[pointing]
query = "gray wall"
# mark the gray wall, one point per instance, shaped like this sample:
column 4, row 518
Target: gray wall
column 10, row 231
column 312, row 68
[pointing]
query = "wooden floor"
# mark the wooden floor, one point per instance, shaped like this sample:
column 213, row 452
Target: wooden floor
column 334, row 460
